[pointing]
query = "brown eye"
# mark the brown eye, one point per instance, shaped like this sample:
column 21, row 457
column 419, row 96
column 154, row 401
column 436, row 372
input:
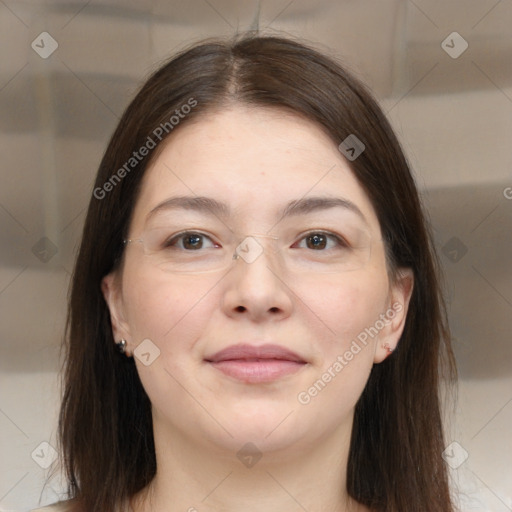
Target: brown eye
column 320, row 241
column 189, row 241
column 193, row 241
column 316, row 241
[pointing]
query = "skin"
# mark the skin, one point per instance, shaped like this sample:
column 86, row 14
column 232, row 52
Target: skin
column 255, row 160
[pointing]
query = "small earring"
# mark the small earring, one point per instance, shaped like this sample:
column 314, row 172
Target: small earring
column 388, row 348
column 121, row 346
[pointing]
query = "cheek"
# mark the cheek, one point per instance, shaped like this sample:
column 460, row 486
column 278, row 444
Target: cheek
column 164, row 307
column 172, row 312
column 343, row 306
column 345, row 355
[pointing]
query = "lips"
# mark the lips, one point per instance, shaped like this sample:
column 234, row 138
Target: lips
column 256, row 364
column 255, row 353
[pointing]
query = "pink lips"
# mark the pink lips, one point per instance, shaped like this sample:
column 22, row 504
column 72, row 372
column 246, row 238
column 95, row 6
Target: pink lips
column 254, row 364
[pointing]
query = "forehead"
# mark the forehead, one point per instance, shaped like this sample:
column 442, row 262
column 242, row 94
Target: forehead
column 253, row 159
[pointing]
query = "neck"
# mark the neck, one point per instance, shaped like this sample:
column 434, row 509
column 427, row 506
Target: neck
column 207, row 478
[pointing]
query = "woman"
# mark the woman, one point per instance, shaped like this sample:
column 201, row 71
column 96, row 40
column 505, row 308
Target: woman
column 255, row 320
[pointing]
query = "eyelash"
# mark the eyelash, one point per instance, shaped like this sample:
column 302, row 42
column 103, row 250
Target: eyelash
column 340, row 241
column 179, row 236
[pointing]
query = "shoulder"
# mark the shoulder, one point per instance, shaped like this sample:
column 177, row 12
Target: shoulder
column 61, row 506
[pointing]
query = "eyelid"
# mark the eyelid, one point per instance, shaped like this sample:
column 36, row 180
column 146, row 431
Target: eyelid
column 177, row 236
column 173, row 239
column 339, row 238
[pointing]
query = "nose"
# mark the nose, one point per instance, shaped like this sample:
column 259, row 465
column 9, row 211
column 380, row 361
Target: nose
column 256, row 287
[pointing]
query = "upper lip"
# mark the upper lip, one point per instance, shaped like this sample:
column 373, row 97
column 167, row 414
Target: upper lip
column 251, row 352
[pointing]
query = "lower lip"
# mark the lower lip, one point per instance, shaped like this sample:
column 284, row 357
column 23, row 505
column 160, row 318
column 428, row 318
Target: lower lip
column 258, row 371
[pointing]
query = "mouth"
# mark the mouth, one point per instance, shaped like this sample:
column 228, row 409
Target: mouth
column 256, row 364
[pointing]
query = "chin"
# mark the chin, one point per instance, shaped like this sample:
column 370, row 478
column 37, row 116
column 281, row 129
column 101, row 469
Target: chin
column 274, row 430
column 251, row 441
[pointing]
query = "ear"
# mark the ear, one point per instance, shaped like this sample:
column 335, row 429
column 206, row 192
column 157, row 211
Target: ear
column 111, row 288
column 394, row 318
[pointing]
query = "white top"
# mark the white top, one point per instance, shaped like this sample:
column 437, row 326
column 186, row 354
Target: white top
column 61, row 506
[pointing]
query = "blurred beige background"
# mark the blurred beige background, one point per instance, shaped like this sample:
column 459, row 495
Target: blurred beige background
column 441, row 70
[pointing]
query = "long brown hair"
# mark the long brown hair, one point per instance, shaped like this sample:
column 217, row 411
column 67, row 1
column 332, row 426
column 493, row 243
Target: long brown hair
column 105, row 424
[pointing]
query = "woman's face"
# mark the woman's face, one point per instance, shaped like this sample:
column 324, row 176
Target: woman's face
column 306, row 292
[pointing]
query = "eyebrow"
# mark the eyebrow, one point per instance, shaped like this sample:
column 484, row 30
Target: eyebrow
column 296, row 207
column 198, row 203
column 310, row 204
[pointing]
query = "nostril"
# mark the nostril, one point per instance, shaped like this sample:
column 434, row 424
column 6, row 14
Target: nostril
column 240, row 309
